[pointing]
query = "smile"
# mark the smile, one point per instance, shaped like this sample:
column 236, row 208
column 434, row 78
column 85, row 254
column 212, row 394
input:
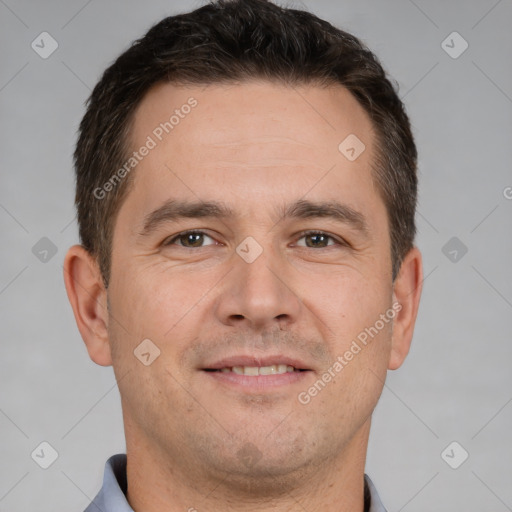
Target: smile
column 276, row 369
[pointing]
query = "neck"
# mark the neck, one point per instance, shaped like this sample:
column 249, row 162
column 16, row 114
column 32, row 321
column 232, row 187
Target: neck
column 158, row 483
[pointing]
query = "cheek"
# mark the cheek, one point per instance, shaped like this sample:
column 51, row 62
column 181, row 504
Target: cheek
column 156, row 307
column 353, row 381
column 360, row 317
column 156, row 303
column 348, row 302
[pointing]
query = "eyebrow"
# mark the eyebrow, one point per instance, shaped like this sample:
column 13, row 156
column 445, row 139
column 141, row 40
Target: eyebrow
column 175, row 209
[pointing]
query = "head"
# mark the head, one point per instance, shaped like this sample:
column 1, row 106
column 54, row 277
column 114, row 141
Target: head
column 244, row 41
column 250, row 124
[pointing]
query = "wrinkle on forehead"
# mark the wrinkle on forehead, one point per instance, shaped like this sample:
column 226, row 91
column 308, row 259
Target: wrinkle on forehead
column 249, row 141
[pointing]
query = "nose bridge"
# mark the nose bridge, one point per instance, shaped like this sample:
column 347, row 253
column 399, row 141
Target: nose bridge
column 256, row 290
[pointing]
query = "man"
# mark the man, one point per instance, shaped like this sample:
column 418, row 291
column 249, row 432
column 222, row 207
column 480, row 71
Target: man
column 246, row 190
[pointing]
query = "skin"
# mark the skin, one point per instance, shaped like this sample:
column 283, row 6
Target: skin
column 255, row 146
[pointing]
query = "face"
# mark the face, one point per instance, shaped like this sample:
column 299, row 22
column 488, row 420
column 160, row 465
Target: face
column 285, row 264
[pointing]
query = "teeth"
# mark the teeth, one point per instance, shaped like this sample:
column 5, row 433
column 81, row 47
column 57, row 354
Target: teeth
column 251, row 370
column 276, row 369
column 270, row 370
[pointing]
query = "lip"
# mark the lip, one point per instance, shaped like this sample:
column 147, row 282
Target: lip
column 252, row 360
column 257, row 383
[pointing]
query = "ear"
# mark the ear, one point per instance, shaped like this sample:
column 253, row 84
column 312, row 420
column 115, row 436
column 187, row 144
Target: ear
column 88, row 297
column 406, row 292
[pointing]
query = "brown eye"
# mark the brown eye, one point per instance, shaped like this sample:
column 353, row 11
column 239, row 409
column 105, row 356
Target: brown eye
column 189, row 239
column 317, row 239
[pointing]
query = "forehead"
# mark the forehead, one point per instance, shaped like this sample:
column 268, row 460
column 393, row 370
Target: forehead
column 251, row 113
column 250, row 143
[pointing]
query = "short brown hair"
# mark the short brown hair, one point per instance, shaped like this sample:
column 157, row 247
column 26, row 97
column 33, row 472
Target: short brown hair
column 228, row 41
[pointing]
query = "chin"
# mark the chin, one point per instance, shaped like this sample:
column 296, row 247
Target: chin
column 265, row 478
column 259, row 468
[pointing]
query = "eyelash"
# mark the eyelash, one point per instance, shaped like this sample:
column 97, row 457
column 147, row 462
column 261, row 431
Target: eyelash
column 337, row 241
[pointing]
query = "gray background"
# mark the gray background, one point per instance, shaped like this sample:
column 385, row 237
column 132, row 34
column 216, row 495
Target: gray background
column 456, row 384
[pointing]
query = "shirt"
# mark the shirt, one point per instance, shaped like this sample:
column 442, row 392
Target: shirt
column 112, row 496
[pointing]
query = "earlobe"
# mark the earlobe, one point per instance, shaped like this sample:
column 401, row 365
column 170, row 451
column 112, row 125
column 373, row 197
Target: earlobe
column 88, row 297
column 406, row 292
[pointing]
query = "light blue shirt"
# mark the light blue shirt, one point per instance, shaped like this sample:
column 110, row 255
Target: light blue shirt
column 112, row 496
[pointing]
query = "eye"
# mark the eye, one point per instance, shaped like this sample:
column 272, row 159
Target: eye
column 189, row 239
column 318, row 239
column 195, row 239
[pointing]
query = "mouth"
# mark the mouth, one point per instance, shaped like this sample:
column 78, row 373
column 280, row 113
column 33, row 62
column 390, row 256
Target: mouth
column 254, row 371
column 256, row 374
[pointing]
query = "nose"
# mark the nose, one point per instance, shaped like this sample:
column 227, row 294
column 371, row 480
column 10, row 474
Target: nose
column 259, row 295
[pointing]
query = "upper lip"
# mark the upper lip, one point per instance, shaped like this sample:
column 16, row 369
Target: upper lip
column 253, row 360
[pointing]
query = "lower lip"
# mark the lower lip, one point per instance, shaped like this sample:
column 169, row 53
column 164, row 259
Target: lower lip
column 258, row 382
